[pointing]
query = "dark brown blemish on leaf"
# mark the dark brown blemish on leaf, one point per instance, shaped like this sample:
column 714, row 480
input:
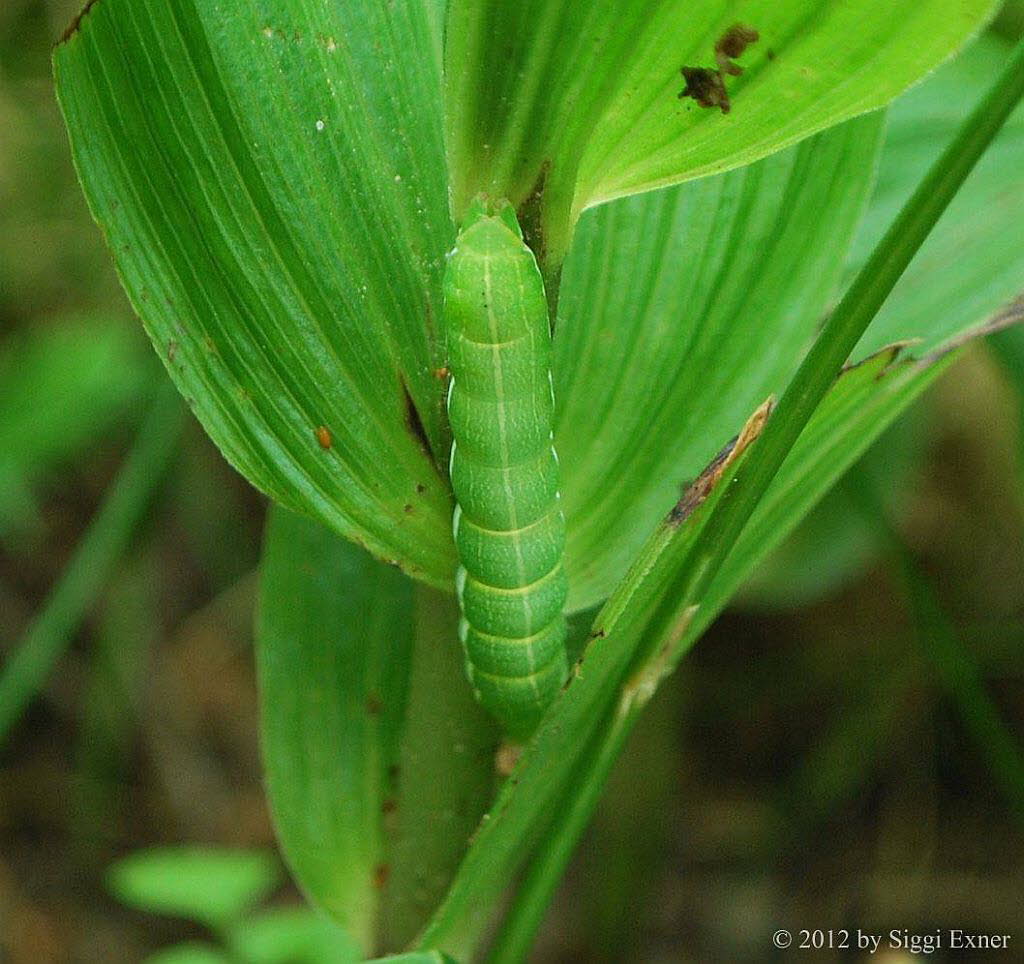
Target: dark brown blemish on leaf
column 407, row 508
column 441, row 373
column 76, row 23
column 373, row 703
column 172, row 350
column 323, row 436
column 732, row 44
column 420, row 488
column 390, row 805
column 380, row 875
column 706, row 85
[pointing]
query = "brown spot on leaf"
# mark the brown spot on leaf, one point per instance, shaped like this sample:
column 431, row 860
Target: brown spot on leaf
column 706, row 87
column 380, row 875
column 732, row 44
column 373, row 703
column 323, row 436
column 702, row 486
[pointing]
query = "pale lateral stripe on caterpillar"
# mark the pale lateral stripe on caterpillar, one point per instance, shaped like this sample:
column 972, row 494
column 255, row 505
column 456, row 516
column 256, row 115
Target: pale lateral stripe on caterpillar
column 508, row 524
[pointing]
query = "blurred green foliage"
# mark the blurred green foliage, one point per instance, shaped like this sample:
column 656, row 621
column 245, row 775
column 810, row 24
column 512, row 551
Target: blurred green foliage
column 810, row 764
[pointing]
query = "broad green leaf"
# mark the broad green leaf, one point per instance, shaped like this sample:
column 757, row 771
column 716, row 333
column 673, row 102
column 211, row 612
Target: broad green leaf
column 270, row 179
column 213, row 887
column 679, row 312
column 291, row 935
column 334, row 657
column 379, row 762
column 561, row 105
column 973, row 262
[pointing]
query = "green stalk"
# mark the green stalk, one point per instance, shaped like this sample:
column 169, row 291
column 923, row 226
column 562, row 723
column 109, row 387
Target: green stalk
column 513, row 942
column 51, row 632
column 694, row 572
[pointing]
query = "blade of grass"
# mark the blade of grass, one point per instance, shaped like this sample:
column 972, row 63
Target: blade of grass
column 956, row 667
column 686, row 576
column 104, row 542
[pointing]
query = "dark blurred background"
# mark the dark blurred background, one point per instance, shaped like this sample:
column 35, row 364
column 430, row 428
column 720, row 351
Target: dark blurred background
column 842, row 750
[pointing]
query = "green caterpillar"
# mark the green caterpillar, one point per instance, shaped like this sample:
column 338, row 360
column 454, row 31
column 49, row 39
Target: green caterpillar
column 508, row 525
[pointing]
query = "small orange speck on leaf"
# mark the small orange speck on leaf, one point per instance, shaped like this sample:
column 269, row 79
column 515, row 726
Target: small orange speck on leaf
column 323, row 436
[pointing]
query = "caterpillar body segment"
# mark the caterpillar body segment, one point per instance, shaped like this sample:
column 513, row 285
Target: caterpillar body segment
column 508, row 524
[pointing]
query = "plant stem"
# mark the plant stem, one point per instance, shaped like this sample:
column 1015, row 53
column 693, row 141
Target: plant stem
column 699, row 566
column 104, row 542
column 538, row 886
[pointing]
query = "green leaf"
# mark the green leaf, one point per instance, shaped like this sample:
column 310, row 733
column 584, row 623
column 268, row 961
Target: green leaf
column 973, row 262
column 334, row 639
column 680, row 311
column 562, row 105
column 270, row 179
column 296, row 935
column 213, row 887
column 379, row 762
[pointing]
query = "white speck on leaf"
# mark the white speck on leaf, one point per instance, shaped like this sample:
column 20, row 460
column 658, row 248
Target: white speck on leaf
column 320, row 125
